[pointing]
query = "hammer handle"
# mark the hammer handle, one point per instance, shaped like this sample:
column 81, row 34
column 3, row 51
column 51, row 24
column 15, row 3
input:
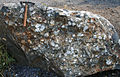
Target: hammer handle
column 25, row 14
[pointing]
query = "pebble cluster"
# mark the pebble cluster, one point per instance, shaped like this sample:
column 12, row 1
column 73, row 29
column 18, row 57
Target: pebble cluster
column 79, row 42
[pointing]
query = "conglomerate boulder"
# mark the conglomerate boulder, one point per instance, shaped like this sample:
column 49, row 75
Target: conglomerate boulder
column 70, row 43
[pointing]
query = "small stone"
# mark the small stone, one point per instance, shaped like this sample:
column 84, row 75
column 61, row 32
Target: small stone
column 105, row 51
column 63, row 26
column 52, row 22
column 85, row 28
column 16, row 75
column 22, row 10
column 46, row 34
column 109, row 36
column 61, row 13
column 31, row 8
column 82, row 15
column 42, row 28
column 56, row 32
column 37, row 30
column 70, row 40
column 68, row 52
column 21, row 16
column 4, row 39
column 92, row 20
column 28, row 20
column 115, row 37
column 79, row 25
column 72, row 49
column 49, row 15
column 104, row 36
column 6, row 21
column 37, row 25
column 52, row 43
column 42, row 40
column 108, row 62
column 36, row 48
column 97, row 48
column 69, row 23
column 29, row 41
column 80, row 34
column 95, row 36
column 73, row 35
column 10, row 23
column 73, row 24
column 99, row 37
column 33, row 12
column 75, row 60
column 23, row 41
column 56, row 45
column 119, row 42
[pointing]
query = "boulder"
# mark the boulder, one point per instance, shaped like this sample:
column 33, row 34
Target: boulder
column 69, row 43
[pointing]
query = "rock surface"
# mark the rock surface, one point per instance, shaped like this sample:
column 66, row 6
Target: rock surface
column 71, row 43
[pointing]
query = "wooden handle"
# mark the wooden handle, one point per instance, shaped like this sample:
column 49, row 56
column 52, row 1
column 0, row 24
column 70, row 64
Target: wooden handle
column 25, row 15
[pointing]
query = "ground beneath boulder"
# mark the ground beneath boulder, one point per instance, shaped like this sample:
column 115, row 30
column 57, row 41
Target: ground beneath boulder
column 17, row 71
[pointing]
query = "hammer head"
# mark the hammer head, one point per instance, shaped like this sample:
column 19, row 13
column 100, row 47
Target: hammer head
column 28, row 3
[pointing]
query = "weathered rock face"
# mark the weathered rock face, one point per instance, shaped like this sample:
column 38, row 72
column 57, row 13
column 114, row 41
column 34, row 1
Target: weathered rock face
column 72, row 43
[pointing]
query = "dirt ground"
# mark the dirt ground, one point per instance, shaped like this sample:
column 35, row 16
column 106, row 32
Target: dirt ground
column 110, row 9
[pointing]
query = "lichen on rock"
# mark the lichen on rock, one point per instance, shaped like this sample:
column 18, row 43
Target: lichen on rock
column 78, row 43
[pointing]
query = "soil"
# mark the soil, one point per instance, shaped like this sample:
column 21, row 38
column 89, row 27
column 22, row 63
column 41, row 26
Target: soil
column 110, row 13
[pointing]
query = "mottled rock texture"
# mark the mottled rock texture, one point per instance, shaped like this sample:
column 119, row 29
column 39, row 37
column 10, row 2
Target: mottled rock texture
column 70, row 43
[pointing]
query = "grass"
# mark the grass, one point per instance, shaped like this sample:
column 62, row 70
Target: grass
column 5, row 59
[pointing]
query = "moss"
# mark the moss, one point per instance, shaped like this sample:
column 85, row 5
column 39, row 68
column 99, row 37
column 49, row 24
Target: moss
column 5, row 59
